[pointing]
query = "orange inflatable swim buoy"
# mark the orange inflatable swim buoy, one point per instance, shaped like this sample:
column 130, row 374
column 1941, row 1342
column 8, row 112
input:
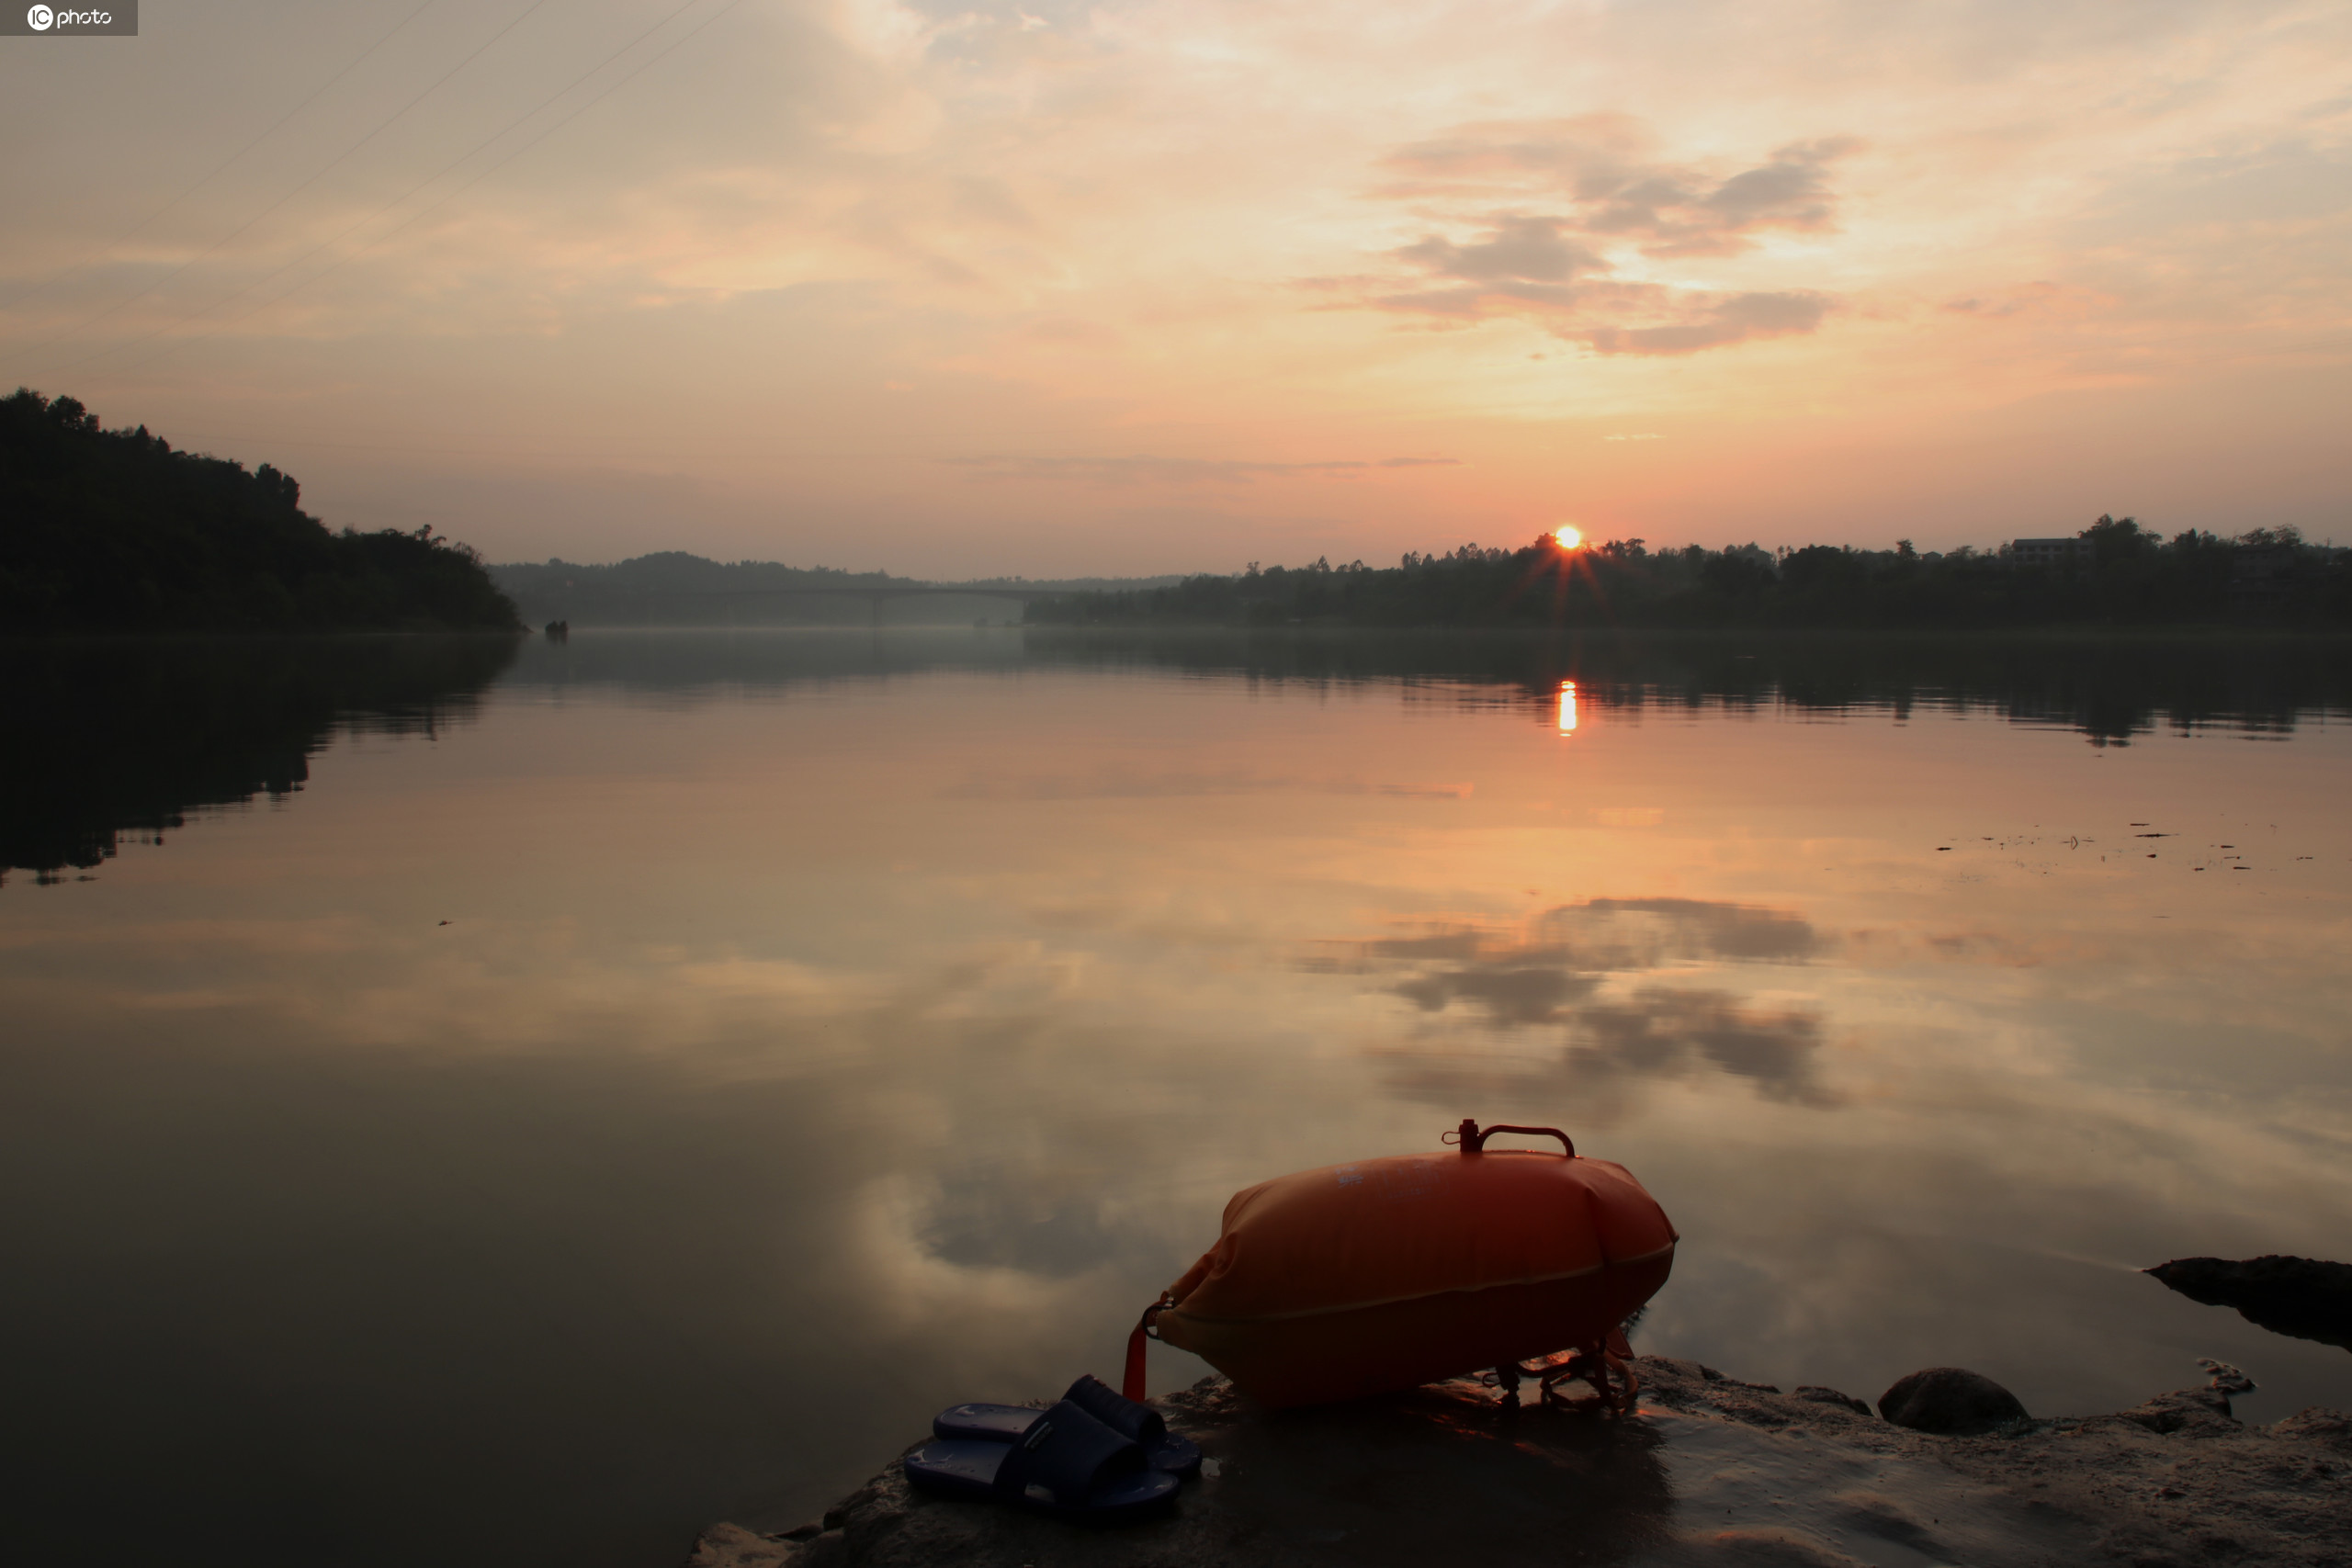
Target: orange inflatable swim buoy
column 1363, row 1278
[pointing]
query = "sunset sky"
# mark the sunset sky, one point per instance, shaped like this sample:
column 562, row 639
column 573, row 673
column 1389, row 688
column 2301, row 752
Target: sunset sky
column 1057, row 288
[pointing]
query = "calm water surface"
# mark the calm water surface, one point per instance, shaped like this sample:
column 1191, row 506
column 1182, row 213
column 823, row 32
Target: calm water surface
column 521, row 1105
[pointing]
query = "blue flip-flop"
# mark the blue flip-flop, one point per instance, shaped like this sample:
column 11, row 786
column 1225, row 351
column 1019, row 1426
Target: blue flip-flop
column 1065, row 1464
column 1162, row 1450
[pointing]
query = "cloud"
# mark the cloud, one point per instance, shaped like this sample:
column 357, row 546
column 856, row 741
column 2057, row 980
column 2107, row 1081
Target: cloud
column 1602, row 164
column 1597, row 186
column 1610, row 315
column 1528, row 249
column 1736, row 319
column 2037, row 298
column 1181, row 470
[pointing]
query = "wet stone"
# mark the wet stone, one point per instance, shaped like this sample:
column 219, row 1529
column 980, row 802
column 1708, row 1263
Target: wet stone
column 2309, row 1298
column 1952, row 1400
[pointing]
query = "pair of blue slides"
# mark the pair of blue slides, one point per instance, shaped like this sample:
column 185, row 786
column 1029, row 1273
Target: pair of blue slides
column 1095, row 1456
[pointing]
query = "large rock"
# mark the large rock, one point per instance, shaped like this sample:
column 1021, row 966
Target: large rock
column 1713, row 1474
column 2306, row 1297
column 1952, row 1400
column 1427, row 1476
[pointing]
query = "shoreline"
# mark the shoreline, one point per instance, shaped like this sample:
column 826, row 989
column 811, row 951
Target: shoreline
column 1710, row 1472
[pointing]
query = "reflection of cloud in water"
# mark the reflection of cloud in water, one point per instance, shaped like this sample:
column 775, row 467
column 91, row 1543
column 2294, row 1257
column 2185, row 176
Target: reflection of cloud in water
column 1552, row 973
column 1660, row 1031
column 1509, row 993
column 736, row 1184
column 992, row 1217
column 803, row 1091
column 663, row 1198
column 1126, row 784
column 1657, row 1033
column 1598, row 936
column 1685, row 928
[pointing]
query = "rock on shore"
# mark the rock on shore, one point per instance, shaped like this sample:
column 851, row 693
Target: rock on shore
column 2307, row 1297
column 1711, row 1474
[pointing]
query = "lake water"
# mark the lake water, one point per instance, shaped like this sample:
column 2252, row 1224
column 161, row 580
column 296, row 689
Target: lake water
column 485, row 1103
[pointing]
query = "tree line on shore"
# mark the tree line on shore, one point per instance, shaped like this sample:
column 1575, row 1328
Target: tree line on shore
column 2113, row 572
column 113, row 530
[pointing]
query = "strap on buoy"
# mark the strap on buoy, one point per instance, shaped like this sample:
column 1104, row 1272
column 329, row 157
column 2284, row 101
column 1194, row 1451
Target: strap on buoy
column 1131, row 1383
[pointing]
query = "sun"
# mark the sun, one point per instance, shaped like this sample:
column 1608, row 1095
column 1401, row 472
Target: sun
column 1568, row 535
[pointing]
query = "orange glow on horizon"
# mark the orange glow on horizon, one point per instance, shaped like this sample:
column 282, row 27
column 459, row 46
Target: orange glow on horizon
column 1789, row 295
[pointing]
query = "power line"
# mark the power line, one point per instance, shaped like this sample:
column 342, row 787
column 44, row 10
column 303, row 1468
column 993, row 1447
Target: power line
column 336, row 162
column 221, row 167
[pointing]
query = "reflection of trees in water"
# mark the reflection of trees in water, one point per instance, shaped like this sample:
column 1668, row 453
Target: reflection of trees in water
column 109, row 738
column 2108, row 687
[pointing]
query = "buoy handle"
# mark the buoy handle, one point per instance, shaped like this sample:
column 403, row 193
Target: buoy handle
column 1474, row 1142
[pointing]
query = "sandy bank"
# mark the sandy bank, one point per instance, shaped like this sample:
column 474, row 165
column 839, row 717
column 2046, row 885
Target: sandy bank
column 1711, row 1474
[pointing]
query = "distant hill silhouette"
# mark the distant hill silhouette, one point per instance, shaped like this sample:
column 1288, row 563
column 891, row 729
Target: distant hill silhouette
column 2112, row 573
column 112, row 530
column 674, row 588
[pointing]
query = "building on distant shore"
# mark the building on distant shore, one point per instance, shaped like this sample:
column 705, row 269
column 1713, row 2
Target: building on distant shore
column 2046, row 552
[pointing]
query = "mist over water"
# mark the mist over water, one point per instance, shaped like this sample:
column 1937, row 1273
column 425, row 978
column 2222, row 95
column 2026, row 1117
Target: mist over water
column 534, row 1102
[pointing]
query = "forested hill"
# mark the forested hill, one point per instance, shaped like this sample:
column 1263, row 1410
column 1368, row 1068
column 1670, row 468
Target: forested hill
column 112, row 530
column 674, row 588
column 2114, row 572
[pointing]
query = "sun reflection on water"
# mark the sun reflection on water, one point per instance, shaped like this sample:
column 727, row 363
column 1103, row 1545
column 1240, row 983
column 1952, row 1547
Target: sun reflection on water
column 1568, row 707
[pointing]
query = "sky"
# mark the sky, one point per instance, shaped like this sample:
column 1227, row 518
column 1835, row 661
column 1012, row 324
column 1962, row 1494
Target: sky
column 1136, row 288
